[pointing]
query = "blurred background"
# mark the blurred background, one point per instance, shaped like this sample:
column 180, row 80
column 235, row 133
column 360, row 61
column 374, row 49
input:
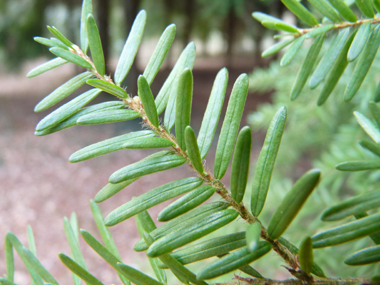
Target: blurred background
column 38, row 185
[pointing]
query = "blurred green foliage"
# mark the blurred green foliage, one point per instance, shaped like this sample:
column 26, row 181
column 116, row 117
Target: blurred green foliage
column 19, row 21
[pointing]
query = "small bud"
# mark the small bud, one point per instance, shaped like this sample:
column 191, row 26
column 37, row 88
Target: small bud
column 137, row 102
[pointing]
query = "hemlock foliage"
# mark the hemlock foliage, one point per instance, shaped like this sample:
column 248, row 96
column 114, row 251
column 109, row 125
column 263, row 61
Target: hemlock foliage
column 174, row 244
column 329, row 135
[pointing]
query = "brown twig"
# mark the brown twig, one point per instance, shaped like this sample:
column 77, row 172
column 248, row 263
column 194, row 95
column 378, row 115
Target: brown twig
column 339, row 26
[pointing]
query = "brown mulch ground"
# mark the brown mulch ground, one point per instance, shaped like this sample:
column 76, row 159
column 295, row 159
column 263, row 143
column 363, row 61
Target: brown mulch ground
column 39, row 186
